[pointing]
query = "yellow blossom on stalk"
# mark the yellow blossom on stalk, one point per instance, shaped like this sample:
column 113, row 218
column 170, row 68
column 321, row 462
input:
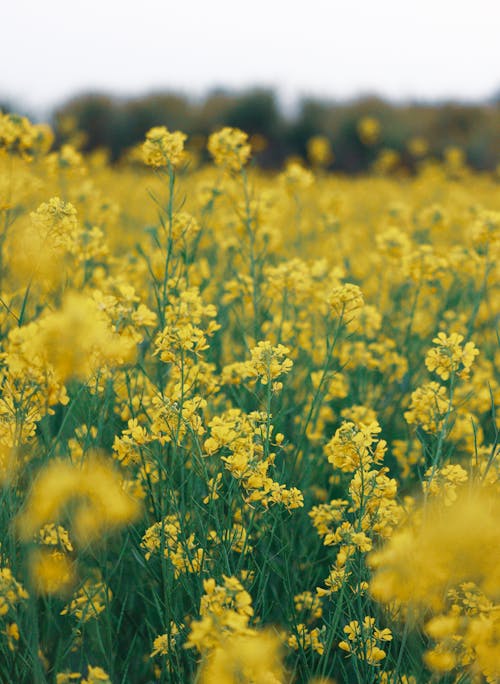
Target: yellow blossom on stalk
column 56, row 223
column 163, row 148
column 229, row 148
column 225, row 609
column 445, row 482
column 351, row 446
column 180, row 548
column 91, row 599
column 12, row 592
column 55, row 536
column 42, row 249
column 11, row 631
column 244, row 437
column 308, row 638
column 184, row 226
column 450, row 356
column 165, row 643
column 15, row 129
column 364, row 640
column 429, row 405
column 309, row 603
column 188, row 327
column 268, row 363
column 346, row 300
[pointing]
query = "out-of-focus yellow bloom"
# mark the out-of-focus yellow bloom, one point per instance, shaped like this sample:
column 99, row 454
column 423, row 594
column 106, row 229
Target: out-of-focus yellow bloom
column 418, row 146
column 18, row 134
column 444, row 546
column 319, row 151
column 79, row 339
column 369, row 130
column 52, row 572
column 229, row 148
column 95, row 486
column 163, row 148
column 295, row 177
column 246, row 659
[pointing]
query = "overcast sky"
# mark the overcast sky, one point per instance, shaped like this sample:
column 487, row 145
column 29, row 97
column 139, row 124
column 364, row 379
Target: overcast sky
column 53, row 49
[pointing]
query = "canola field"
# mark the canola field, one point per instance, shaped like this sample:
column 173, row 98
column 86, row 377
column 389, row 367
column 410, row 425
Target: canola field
column 248, row 431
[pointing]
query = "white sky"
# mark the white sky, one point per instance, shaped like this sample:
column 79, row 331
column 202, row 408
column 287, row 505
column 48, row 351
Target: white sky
column 53, row 49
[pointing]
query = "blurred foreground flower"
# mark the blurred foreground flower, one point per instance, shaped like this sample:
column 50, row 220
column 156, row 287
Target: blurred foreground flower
column 447, row 550
column 100, row 502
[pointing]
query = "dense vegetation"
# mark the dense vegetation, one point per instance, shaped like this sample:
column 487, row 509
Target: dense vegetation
column 247, row 418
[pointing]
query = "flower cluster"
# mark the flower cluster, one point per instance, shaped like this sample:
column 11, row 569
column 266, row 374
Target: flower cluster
column 229, row 148
column 163, row 148
column 303, row 460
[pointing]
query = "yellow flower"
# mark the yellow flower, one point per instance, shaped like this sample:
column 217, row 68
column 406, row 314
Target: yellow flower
column 319, row 151
column 364, row 640
column 102, row 503
column 89, row 601
column 450, row 356
column 164, row 643
column 369, row 130
column 229, row 148
column 51, row 571
column 96, row 675
column 163, row 148
column 247, row 658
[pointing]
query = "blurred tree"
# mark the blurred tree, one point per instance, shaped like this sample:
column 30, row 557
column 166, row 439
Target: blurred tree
column 119, row 123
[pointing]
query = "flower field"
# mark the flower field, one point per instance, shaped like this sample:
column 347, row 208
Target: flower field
column 247, row 419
